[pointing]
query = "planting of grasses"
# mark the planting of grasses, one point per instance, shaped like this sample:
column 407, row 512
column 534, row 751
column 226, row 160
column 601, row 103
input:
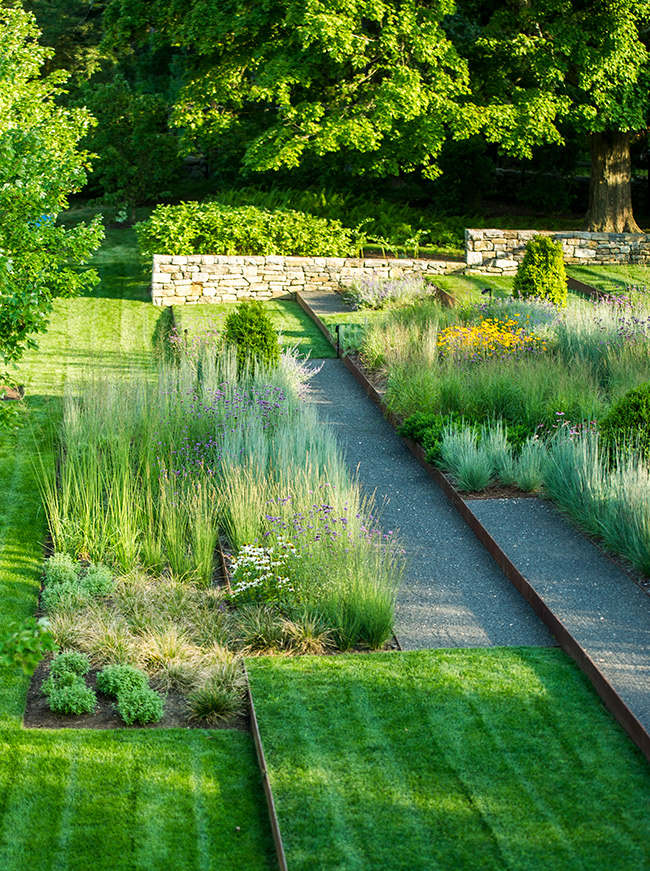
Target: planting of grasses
column 456, row 759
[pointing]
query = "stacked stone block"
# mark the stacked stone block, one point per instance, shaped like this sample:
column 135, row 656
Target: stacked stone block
column 501, row 251
column 202, row 278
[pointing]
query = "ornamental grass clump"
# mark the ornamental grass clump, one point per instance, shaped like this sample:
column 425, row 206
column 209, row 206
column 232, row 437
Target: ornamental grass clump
column 377, row 293
column 470, row 466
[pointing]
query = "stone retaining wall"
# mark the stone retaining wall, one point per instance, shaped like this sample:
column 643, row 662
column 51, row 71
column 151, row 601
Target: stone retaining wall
column 198, row 278
column 500, row 251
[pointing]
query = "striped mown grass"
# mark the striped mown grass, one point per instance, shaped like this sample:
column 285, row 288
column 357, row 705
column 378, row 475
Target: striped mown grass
column 453, row 760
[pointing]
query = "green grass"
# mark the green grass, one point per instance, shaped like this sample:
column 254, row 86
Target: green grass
column 612, row 278
column 94, row 799
column 296, row 327
column 452, row 760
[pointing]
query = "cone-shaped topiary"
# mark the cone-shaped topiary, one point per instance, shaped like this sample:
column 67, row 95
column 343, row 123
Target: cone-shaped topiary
column 541, row 273
column 250, row 329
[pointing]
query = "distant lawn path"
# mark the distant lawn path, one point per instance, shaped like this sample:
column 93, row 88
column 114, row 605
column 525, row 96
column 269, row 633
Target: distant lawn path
column 106, row 800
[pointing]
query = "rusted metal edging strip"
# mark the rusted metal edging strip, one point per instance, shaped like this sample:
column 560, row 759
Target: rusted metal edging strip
column 304, row 305
column 581, row 287
column 612, row 700
column 266, row 783
column 257, row 741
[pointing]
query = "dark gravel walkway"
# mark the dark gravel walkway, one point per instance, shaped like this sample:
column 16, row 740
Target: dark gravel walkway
column 453, row 594
column 600, row 605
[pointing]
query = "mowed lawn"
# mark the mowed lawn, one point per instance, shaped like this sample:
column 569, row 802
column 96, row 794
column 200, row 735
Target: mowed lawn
column 188, row 800
column 449, row 760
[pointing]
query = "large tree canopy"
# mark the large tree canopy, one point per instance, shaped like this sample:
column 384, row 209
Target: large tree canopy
column 386, row 83
column 378, row 81
column 40, row 165
column 589, row 61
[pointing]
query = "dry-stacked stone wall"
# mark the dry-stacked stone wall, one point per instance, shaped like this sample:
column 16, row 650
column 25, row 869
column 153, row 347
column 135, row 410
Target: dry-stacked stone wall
column 500, row 251
column 199, row 278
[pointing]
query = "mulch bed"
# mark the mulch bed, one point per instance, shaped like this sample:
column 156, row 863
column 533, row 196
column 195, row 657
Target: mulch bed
column 39, row 716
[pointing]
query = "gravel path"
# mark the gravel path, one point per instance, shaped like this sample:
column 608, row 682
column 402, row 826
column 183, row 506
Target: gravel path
column 453, row 594
column 600, row 605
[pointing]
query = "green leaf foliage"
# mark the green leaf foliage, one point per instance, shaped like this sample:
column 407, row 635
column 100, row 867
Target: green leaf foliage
column 68, row 694
column 40, row 165
column 627, row 423
column 70, row 662
column 140, row 705
column 137, row 155
column 26, row 643
column 541, row 273
column 210, row 228
column 115, row 679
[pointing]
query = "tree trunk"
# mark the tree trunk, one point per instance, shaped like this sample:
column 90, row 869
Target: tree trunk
column 610, row 190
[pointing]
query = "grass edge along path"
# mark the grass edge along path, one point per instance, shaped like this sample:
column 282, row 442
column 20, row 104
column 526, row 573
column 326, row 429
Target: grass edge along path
column 499, row 758
column 108, row 800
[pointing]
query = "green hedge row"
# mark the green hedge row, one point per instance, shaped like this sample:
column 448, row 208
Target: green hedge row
column 212, row 228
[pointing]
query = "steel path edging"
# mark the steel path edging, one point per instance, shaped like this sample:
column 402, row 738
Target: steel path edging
column 609, row 696
column 259, row 748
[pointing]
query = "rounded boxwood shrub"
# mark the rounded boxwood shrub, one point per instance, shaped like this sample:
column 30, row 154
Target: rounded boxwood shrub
column 541, row 273
column 70, row 662
column 115, row 679
column 140, row 705
column 250, row 329
column 627, row 423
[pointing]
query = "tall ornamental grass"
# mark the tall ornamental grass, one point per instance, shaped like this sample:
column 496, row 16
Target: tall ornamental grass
column 149, row 472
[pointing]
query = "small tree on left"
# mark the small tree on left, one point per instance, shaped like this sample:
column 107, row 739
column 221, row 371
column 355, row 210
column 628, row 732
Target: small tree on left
column 40, row 165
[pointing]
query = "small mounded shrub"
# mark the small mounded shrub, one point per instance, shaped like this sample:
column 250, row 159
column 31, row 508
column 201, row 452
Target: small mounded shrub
column 66, row 688
column 627, row 423
column 70, row 696
column 541, row 273
column 250, row 329
column 213, row 228
column 64, row 595
column 140, row 705
column 60, row 569
column 115, row 679
column 70, row 662
column 98, row 580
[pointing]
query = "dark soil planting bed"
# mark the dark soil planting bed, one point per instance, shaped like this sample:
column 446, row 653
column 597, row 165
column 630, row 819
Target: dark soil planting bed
column 449, row 759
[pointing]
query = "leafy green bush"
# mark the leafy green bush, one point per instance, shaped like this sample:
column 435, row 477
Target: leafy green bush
column 61, row 568
column 627, row 423
column 250, row 329
column 98, row 580
column 140, row 705
column 26, row 643
column 541, row 273
column 71, row 697
column 66, row 688
column 115, row 679
column 70, row 662
column 211, row 228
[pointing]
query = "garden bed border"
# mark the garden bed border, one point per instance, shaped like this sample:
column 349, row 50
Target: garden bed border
column 610, row 697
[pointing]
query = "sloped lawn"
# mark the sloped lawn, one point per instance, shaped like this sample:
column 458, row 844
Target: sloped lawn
column 454, row 760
